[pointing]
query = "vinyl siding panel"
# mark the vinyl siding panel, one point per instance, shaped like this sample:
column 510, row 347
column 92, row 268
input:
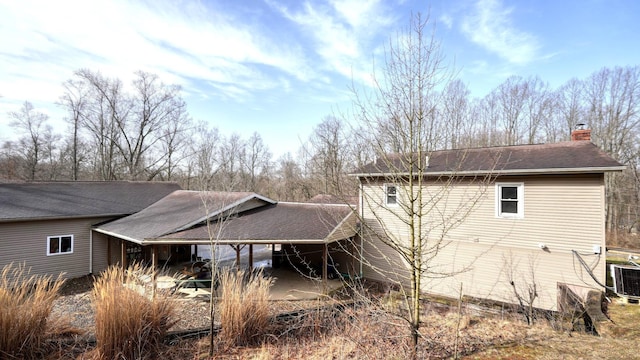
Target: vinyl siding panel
column 26, row 242
column 100, row 252
column 563, row 212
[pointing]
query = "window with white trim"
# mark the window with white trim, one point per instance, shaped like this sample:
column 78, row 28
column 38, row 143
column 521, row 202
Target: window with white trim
column 61, row 244
column 390, row 194
column 510, row 200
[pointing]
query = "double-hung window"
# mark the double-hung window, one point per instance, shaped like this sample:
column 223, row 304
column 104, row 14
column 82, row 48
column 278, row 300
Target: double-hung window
column 61, row 244
column 390, row 194
column 510, row 200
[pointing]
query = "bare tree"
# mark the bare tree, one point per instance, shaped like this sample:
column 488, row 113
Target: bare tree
column 511, row 97
column 159, row 113
column 75, row 100
column 455, row 114
column 570, row 106
column 539, row 108
column 135, row 134
column 32, row 129
column 406, row 212
column 232, row 150
column 203, row 162
column 613, row 100
column 290, row 185
column 327, row 154
column 256, row 162
column 107, row 107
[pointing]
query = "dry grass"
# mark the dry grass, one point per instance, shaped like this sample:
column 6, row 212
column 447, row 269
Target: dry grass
column 367, row 331
column 619, row 342
column 25, row 304
column 129, row 323
column 244, row 308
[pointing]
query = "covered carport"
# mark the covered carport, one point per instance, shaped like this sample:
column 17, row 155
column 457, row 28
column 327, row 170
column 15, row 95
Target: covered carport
column 239, row 220
column 284, row 224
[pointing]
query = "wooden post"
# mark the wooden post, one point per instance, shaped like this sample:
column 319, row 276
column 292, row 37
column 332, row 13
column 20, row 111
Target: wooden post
column 123, row 254
column 109, row 244
column 154, row 269
column 325, row 256
column 250, row 257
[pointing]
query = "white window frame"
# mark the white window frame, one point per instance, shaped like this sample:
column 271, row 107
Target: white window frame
column 386, row 195
column 520, row 201
column 58, row 238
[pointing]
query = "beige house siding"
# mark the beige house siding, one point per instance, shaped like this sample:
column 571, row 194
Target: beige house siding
column 563, row 212
column 101, row 252
column 26, row 242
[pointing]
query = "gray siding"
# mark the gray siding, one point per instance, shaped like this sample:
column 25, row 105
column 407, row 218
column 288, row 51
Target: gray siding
column 481, row 251
column 26, row 242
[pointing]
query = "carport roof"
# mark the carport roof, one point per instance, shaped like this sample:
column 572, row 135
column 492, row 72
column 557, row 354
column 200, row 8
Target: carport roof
column 281, row 223
column 180, row 210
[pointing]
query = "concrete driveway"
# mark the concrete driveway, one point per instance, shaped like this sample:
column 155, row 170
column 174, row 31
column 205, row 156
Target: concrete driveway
column 288, row 285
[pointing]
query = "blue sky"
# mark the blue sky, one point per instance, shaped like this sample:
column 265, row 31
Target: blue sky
column 279, row 67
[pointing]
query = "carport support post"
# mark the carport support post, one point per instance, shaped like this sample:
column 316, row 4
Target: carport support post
column 250, row 257
column 238, row 257
column 154, row 266
column 325, row 253
column 123, row 254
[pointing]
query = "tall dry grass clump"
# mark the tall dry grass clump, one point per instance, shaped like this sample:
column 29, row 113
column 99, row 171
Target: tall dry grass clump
column 25, row 303
column 130, row 323
column 244, row 307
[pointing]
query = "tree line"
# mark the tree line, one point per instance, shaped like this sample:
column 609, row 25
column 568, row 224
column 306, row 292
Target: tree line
column 143, row 131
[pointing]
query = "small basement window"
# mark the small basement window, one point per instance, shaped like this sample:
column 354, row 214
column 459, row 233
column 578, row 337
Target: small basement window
column 391, row 194
column 510, row 200
column 62, row 244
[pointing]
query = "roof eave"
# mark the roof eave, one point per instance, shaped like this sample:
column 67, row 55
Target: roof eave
column 587, row 170
column 120, row 236
column 173, row 241
column 344, row 233
column 61, row 217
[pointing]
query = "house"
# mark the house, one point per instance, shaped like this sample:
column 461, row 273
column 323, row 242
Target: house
column 499, row 221
column 80, row 228
column 47, row 226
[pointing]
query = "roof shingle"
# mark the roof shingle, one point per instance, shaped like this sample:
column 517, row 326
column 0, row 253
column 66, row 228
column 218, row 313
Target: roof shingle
column 50, row 200
column 572, row 156
column 278, row 223
column 180, row 209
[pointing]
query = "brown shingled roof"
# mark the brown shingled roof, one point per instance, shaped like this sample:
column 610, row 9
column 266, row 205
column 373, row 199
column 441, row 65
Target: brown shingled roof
column 563, row 157
column 74, row 199
column 180, row 210
column 278, row 223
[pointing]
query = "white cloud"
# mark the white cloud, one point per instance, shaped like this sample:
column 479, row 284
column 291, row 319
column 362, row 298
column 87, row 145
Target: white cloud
column 490, row 26
column 342, row 32
column 447, row 20
column 47, row 41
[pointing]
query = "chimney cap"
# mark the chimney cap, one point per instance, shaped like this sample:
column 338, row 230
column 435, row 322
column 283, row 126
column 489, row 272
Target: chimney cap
column 580, row 126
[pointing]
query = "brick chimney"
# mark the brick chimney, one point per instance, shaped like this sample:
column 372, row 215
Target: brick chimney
column 580, row 133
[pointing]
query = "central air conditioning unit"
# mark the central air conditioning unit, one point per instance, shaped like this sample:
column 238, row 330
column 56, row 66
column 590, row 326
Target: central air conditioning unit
column 626, row 280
